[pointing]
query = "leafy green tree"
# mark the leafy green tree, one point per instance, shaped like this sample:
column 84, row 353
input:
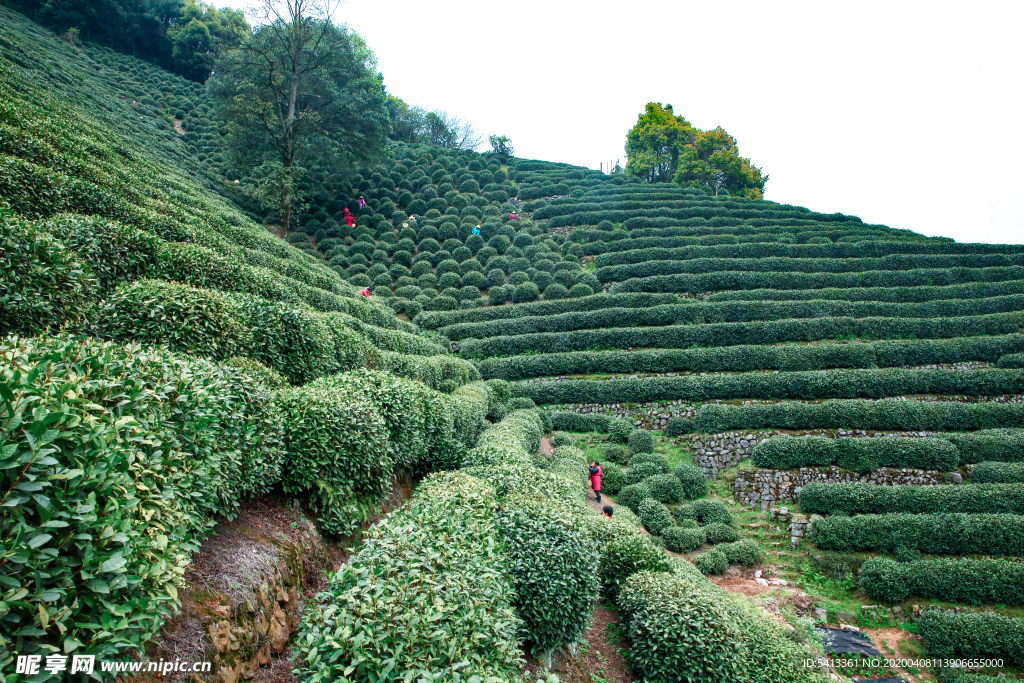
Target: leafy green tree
column 201, row 34
column 406, row 122
column 501, row 146
column 713, row 160
column 303, row 98
column 664, row 147
column 653, row 144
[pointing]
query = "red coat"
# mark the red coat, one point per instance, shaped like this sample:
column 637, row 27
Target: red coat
column 365, row 291
column 595, row 479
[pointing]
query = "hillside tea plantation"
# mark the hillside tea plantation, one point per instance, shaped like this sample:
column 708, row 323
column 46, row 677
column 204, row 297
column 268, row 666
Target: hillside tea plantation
column 801, row 419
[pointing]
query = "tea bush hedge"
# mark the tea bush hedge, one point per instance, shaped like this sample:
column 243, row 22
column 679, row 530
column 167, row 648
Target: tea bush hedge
column 987, row 445
column 665, row 488
column 998, row 472
column 684, row 628
column 742, row 358
column 731, row 334
column 828, row 384
column 1012, row 360
column 748, row 280
column 632, row 495
column 42, row 284
column 965, row 580
column 744, row 551
column 887, row 414
column 435, row 320
column 939, row 534
column 984, row 635
column 644, row 263
column 711, row 512
column 171, row 443
column 625, row 555
column 679, row 631
column 784, row 452
column 716, row 532
column 858, row 497
column 638, row 472
column 554, row 570
column 640, row 441
column 576, row 422
column 729, row 312
column 434, row 561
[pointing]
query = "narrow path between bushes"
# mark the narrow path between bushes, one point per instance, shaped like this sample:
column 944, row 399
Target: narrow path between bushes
column 601, row 657
column 545, row 446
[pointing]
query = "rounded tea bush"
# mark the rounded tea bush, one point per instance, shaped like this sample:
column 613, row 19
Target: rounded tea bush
column 665, row 488
column 695, row 484
column 743, row 552
column 682, row 540
column 637, row 472
column 660, row 460
column 619, row 430
column 555, row 291
column 711, row 561
column 560, row 439
column 625, row 555
column 681, row 630
column 631, row 495
column 712, row 511
column 554, row 570
column 579, row 290
column 612, row 479
column 716, row 532
column 521, row 403
column 640, row 441
column 654, row 515
column 616, row 453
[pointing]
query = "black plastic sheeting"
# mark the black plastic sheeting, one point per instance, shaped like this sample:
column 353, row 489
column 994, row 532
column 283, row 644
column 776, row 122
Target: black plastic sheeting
column 846, row 642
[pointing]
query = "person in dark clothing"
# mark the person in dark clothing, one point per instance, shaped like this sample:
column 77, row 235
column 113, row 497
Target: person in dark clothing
column 595, row 479
column 607, row 510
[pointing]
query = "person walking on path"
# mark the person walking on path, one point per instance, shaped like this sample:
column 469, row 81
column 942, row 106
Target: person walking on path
column 595, row 479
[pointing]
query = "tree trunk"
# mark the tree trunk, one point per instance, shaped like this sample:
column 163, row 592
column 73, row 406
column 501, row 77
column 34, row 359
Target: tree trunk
column 286, row 198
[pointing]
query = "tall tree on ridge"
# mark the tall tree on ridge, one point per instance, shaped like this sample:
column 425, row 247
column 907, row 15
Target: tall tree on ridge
column 664, row 147
column 303, row 97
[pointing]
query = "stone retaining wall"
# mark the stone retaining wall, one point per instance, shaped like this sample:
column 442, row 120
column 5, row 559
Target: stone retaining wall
column 766, row 488
column 719, row 452
column 643, row 415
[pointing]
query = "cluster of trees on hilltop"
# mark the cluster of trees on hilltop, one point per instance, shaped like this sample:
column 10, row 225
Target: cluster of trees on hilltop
column 182, row 36
column 663, row 147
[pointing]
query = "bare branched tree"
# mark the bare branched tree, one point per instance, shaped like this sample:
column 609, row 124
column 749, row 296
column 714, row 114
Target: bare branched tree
column 443, row 130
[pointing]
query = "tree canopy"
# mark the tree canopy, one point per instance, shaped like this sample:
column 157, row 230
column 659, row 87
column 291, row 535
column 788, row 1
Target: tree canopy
column 664, row 147
column 201, row 34
column 303, row 98
column 183, row 36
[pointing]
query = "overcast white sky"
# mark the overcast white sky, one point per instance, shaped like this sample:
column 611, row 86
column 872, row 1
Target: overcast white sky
column 902, row 113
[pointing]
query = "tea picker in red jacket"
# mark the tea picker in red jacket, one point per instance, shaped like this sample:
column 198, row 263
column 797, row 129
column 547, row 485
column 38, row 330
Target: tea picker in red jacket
column 595, row 479
column 365, row 291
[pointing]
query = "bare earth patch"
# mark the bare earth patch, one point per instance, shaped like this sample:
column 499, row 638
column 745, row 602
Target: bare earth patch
column 598, row 659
